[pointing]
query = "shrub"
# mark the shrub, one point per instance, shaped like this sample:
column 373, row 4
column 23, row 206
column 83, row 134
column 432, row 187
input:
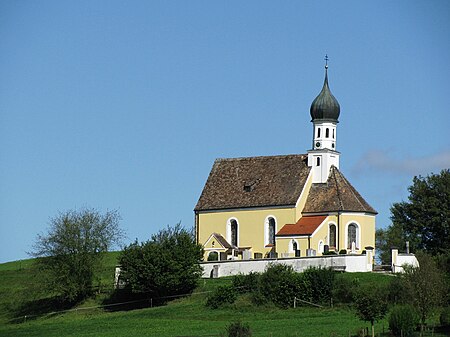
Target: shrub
column 343, row 252
column 330, row 252
column 213, row 256
column 238, row 329
column 222, row 295
column 344, row 289
column 444, row 318
column 316, row 284
column 166, row 265
column 246, row 283
column 403, row 320
column 278, row 284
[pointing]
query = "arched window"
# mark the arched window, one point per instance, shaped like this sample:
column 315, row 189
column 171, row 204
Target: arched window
column 352, row 235
column 270, row 230
column 318, row 132
column 271, row 237
column 332, row 236
column 318, row 161
column 333, row 133
column 234, row 232
column 294, row 246
column 327, row 133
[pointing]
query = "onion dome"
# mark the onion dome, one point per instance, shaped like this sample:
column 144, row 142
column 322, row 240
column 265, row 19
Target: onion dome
column 325, row 106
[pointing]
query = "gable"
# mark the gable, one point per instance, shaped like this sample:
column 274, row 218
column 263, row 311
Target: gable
column 337, row 194
column 217, row 242
column 254, row 182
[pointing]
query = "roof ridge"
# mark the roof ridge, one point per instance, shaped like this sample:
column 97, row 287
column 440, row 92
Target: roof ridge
column 352, row 190
column 341, row 204
column 262, row 157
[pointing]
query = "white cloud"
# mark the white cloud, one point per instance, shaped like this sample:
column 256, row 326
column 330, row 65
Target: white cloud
column 385, row 161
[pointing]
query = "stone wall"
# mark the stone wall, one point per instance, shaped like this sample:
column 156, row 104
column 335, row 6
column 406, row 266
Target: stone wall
column 348, row 263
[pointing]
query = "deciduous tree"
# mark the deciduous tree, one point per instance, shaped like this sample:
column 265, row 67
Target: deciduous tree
column 69, row 253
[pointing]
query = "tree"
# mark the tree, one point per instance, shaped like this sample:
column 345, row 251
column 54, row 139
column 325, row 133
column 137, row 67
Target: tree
column 69, row 253
column 167, row 264
column 425, row 286
column 423, row 220
column 371, row 305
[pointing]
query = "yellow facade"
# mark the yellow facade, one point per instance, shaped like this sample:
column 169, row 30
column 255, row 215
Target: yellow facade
column 252, row 232
column 251, row 226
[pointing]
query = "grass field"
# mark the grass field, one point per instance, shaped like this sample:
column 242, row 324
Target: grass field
column 182, row 317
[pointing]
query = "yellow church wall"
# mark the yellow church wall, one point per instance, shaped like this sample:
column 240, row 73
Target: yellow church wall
column 366, row 235
column 251, row 225
column 320, row 235
column 303, row 196
column 284, row 246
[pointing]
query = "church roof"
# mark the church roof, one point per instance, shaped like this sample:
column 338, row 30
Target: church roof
column 337, row 194
column 325, row 106
column 254, row 182
column 276, row 181
column 306, row 225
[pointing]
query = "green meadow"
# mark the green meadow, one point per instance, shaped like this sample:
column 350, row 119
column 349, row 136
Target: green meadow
column 20, row 296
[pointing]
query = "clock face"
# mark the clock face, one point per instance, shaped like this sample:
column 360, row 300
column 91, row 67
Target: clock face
column 318, row 144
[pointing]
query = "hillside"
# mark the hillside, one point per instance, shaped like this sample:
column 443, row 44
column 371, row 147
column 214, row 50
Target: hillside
column 182, row 317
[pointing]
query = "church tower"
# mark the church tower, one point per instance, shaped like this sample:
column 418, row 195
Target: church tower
column 325, row 112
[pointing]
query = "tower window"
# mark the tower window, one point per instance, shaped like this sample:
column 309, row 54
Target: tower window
column 318, row 161
column 327, row 133
column 318, row 132
column 333, row 133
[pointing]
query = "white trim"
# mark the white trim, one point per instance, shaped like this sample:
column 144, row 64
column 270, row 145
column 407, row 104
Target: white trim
column 358, row 234
column 229, row 231
column 318, row 227
column 210, row 249
column 266, row 229
column 241, row 209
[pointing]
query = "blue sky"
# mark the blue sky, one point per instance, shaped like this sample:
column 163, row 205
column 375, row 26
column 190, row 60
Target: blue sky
column 126, row 104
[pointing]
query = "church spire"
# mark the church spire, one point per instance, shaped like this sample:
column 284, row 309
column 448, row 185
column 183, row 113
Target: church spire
column 325, row 106
column 324, row 112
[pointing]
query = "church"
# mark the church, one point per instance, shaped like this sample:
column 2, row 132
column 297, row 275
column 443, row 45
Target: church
column 285, row 206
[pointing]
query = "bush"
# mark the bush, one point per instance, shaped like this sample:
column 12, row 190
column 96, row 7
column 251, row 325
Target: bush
column 166, row 265
column 246, row 283
column 343, row 252
column 344, row 289
column 403, row 320
column 213, row 256
column 330, row 252
column 316, row 284
column 238, row 329
column 278, row 284
column 444, row 318
column 221, row 296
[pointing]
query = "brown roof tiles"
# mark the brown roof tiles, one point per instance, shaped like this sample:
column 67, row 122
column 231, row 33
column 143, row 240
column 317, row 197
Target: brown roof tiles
column 254, row 182
column 305, row 226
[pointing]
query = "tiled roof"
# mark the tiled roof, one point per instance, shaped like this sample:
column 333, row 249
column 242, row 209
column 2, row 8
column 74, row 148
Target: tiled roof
column 254, row 182
column 305, row 226
column 222, row 241
column 337, row 194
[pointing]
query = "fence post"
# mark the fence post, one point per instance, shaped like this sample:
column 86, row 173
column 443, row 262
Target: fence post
column 295, row 302
column 151, row 303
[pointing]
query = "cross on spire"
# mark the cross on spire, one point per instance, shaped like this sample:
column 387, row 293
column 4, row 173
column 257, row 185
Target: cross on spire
column 326, row 61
